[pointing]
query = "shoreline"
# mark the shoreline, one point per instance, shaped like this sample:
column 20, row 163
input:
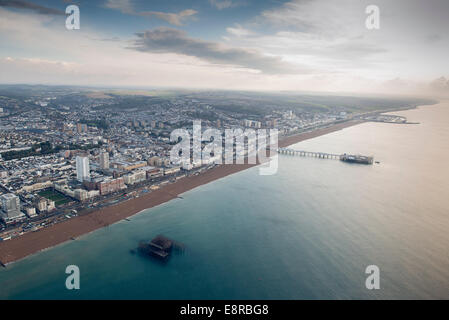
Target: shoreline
column 34, row 242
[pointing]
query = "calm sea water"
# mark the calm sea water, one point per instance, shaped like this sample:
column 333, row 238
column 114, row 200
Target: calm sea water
column 307, row 232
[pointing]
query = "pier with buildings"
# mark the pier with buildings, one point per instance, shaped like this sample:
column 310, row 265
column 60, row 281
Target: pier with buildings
column 323, row 155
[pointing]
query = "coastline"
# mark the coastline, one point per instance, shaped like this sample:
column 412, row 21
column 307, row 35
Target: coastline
column 33, row 242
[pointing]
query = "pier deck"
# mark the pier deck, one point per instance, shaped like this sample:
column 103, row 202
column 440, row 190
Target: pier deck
column 302, row 153
column 323, row 155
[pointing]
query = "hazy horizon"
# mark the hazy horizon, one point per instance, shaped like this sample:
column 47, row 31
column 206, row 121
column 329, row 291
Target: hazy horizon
column 156, row 90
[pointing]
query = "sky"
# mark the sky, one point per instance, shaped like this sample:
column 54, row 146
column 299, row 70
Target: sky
column 297, row 45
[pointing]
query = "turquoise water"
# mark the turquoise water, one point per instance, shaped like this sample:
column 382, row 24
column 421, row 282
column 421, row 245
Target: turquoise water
column 307, row 232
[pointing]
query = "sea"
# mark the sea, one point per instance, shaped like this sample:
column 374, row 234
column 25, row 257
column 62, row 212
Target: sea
column 308, row 232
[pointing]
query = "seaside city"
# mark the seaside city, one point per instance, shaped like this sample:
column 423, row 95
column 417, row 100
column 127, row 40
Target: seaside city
column 206, row 151
column 53, row 169
column 66, row 153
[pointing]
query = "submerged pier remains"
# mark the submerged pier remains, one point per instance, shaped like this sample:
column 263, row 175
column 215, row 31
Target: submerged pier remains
column 160, row 247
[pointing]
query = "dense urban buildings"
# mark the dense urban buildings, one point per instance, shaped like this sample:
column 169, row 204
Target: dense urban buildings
column 64, row 151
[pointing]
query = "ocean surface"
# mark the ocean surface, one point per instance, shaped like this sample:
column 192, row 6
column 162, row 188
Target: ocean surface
column 307, row 232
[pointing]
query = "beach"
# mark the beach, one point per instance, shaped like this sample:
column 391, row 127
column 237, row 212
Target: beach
column 33, row 242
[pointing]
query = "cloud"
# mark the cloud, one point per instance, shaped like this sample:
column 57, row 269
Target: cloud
column 106, row 39
column 239, row 31
column 353, row 50
column 126, row 7
column 326, row 35
column 16, row 70
column 223, row 4
column 18, row 4
column 176, row 19
column 320, row 17
column 441, row 84
column 168, row 40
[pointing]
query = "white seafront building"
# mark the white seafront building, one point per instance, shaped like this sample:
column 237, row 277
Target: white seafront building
column 10, row 208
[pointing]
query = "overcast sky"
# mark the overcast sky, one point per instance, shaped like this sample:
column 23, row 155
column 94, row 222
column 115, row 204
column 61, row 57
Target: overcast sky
column 301, row 45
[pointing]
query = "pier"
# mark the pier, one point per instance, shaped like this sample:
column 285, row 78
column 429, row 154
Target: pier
column 303, row 153
column 160, row 247
column 323, row 155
